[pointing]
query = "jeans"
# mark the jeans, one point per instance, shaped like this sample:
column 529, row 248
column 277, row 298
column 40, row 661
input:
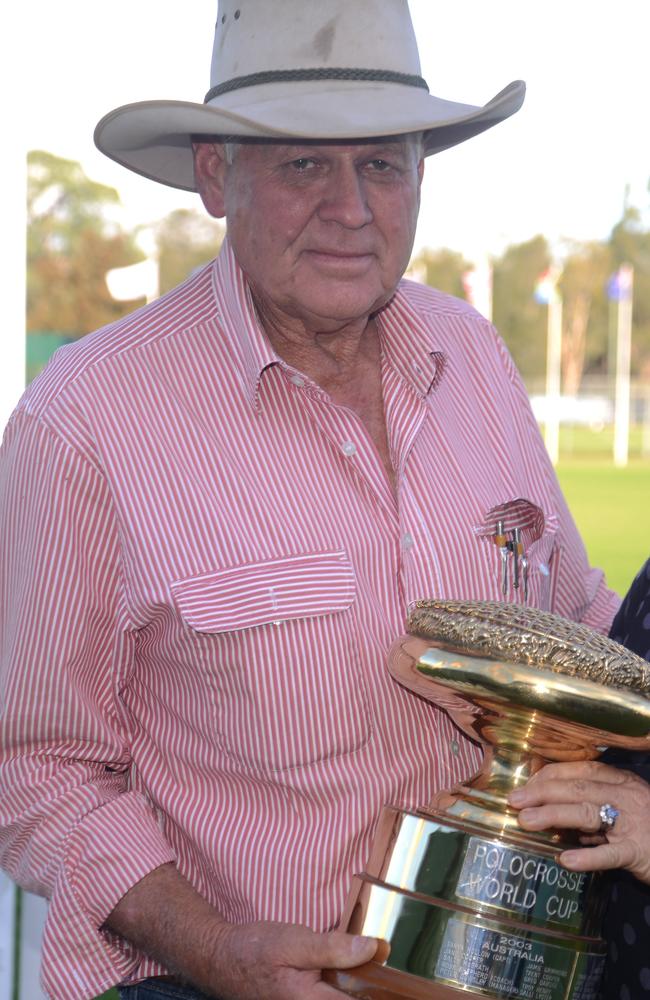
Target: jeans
column 157, row 989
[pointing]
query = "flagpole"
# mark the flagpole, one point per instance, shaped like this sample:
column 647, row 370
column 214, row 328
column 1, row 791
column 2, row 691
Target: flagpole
column 7, row 931
column 553, row 376
column 477, row 284
column 623, row 357
column 547, row 293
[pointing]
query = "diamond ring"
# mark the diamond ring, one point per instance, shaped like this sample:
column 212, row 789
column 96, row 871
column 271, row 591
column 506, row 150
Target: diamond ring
column 608, row 816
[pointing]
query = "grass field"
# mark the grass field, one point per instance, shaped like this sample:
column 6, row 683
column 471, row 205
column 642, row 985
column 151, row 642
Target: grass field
column 611, row 509
column 611, row 506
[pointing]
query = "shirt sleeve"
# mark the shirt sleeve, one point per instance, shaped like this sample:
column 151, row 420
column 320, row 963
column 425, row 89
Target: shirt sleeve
column 70, row 828
column 579, row 591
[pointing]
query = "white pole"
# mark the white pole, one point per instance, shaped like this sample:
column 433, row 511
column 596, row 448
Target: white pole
column 12, row 338
column 7, row 932
column 477, row 283
column 12, row 378
column 645, row 436
column 34, row 912
column 623, row 353
column 553, row 375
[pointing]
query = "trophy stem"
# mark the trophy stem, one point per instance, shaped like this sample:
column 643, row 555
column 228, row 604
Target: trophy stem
column 513, row 752
column 506, row 768
column 482, row 801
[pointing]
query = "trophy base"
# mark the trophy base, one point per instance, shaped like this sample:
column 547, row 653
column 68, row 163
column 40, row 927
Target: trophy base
column 461, row 910
column 377, row 982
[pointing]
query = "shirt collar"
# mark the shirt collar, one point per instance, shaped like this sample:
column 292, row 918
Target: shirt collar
column 251, row 351
column 406, row 339
column 409, row 342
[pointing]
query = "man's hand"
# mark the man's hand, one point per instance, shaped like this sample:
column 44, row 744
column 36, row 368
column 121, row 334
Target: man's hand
column 167, row 919
column 569, row 796
column 284, row 961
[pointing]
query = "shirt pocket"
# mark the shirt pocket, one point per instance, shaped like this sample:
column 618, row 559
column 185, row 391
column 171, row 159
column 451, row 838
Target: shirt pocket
column 539, row 541
column 279, row 641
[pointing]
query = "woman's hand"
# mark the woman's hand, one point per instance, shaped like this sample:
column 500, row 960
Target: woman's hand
column 570, row 796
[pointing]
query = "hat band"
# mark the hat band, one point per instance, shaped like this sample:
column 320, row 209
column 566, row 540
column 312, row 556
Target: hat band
column 294, row 75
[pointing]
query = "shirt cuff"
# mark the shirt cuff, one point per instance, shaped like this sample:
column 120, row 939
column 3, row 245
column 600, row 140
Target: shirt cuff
column 110, row 851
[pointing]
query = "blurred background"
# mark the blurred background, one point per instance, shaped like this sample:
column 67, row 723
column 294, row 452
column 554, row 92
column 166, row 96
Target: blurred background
column 543, row 223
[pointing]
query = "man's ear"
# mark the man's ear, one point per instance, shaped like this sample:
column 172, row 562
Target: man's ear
column 210, row 174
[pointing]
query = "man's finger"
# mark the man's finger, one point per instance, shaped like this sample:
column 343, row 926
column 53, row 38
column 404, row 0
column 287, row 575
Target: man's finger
column 348, row 950
column 335, row 950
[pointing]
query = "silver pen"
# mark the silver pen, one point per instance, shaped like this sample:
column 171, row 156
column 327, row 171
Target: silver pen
column 517, row 550
column 501, row 540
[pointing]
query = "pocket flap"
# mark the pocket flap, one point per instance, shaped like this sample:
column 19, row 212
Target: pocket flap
column 521, row 513
column 251, row 594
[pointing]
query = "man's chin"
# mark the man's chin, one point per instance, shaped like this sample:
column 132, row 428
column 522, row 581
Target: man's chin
column 343, row 300
column 339, row 310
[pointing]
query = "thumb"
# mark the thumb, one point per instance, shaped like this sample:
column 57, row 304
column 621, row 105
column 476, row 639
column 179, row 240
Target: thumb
column 344, row 951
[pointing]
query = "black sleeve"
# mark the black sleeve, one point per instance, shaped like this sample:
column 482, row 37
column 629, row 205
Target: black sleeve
column 627, row 918
column 631, row 626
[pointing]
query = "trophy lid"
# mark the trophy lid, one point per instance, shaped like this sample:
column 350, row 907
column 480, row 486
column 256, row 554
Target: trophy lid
column 492, row 664
column 517, row 634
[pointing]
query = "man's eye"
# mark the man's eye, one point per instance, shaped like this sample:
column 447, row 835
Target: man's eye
column 302, row 163
column 380, row 165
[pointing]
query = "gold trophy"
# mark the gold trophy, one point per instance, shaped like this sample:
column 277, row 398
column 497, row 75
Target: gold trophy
column 468, row 902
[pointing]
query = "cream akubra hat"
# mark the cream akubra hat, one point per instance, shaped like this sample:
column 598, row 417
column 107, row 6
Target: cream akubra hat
column 295, row 70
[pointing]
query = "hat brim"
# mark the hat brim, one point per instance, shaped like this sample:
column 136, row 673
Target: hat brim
column 153, row 138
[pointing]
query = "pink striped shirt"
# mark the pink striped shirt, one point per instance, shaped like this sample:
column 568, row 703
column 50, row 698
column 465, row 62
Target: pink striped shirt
column 203, row 569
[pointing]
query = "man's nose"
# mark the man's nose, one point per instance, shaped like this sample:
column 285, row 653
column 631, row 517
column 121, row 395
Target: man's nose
column 346, row 199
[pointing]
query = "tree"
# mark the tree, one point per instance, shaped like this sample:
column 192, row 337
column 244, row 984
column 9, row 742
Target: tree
column 521, row 320
column 442, row 269
column 186, row 239
column 71, row 244
column 629, row 243
column 583, row 285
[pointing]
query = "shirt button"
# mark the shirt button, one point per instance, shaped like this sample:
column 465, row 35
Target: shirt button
column 408, row 541
column 298, row 380
column 454, row 746
column 416, row 368
column 348, row 448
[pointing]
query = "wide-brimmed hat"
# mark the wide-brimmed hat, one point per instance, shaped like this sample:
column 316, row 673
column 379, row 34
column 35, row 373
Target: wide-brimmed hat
column 300, row 69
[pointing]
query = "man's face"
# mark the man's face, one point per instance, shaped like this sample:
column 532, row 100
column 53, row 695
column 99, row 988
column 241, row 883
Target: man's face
column 323, row 232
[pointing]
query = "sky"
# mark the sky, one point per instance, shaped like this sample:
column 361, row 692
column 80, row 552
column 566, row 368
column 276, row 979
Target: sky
column 560, row 166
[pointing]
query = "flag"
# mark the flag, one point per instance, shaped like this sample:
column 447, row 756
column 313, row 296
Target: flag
column 619, row 286
column 546, row 287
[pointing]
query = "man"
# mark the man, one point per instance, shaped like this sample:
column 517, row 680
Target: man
column 218, row 511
